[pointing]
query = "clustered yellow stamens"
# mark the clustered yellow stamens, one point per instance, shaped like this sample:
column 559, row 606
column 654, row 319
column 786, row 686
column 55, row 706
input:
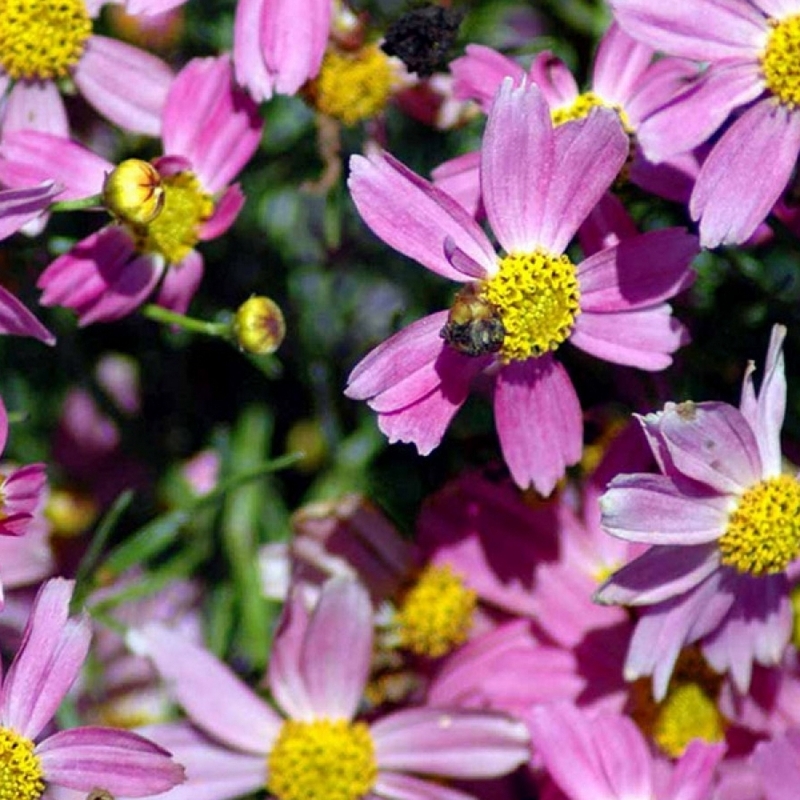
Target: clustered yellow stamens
column 322, row 760
column 763, row 532
column 780, row 61
column 353, row 86
column 21, row 776
column 436, row 613
column 582, row 105
column 689, row 710
column 42, row 39
column 795, row 598
column 176, row 229
column 538, row 298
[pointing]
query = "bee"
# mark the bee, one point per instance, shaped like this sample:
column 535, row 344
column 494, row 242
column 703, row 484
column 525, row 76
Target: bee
column 473, row 326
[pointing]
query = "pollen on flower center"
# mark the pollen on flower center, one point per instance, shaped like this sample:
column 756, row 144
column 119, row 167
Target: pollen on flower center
column 21, row 776
column 763, row 532
column 176, row 229
column 436, row 613
column 42, row 39
column 322, row 760
column 582, row 105
column 780, row 61
column 353, row 86
column 538, row 298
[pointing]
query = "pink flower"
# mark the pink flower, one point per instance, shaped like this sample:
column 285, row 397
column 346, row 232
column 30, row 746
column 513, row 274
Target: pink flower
column 318, row 670
column 210, row 131
column 750, row 52
column 54, row 44
column 777, row 763
column 53, row 649
column 604, row 756
column 278, row 45
column 723, row 521
column 515, row 311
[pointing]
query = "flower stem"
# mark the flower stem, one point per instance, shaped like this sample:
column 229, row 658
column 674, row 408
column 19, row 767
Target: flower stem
column 156, row 313
column 95, row 202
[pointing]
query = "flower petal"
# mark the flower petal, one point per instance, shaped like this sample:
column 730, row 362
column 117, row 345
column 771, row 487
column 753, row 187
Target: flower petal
column 539, row 422
column 619, row 66
column 35, row 105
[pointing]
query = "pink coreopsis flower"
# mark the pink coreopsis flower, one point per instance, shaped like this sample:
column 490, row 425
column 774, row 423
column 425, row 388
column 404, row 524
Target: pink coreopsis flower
column 46, row 44
column 317, row 674
column 210, row 131
column 278, row 45
column 518, row 308
column 723, row 522
column 119, row 762
column 604, row 756
column 749, row 47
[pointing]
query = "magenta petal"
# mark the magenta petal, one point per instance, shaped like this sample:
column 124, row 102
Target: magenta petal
column 35, row 105
column 48, row 661
column 125, row 84
column 695, row 772
column 478, row 74
column 659, row 574
column 653, row 510
column 397, row 786
column 619, row 66
column 215, row 699
column 645, row 338
column 539, row 422
column 589, row 154
column 554, row 78
column 778, row 764
column 415, row 217
column 734, row 192
column 707, row 30
column 16, row 320
column 460, row 177
column 226, row 209
column 452, row 743
column 614, row 280
column 517, row 163
column 337, row 650
column 18, row 207
column 32, row 157
column 180, row 283
column 711, row 443
column 248, row 60
column 122, row 762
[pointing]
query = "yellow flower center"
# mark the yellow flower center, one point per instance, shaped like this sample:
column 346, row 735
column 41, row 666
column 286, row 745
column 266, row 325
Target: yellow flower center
column 42, row 39
column 537, row 297
column 322, row 760
column 688, row 712
column 353, row 86
column 780, row 61
column 436, row 613
column 582, row 105
column 21, row 776
column 763, row 532
column 175, row 230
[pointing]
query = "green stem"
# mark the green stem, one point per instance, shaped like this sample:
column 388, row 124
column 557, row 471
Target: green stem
column 95, row 201
column 221, row 330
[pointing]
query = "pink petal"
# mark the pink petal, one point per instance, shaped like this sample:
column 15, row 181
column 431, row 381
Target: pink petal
column 16, row 320
column 707, row 30
column 48, row 661
column 619, row 66
column 539, row 422
column 125, row 84
column 555, row 80
column 614, row 280
column 778, row 763
column 180, row 283
column 215, row 699
column 734, row 191
column 35, row 105
column 517, row 163
column 695, row 771
column 226, row 209
column 653, row 510
column 451, row 743
column 17, row 207
column 397, row 786
column 122, row 762
column 211, row 122
column 414, row 217
column 693, row 116
column 661, row 573
column 589, row 154
column 3, row 426
column 337, row 649
column 478, row 74
column 248, row 60
column 644, row 339
column 32, row 157
column 460, row 177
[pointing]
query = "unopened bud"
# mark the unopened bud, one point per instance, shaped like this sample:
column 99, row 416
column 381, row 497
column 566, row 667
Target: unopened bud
column 259, row 326
column 133, row 192
column 70, row 513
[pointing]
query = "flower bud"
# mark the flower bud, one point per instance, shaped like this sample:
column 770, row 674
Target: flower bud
column 259, row 326
column 133, row 193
